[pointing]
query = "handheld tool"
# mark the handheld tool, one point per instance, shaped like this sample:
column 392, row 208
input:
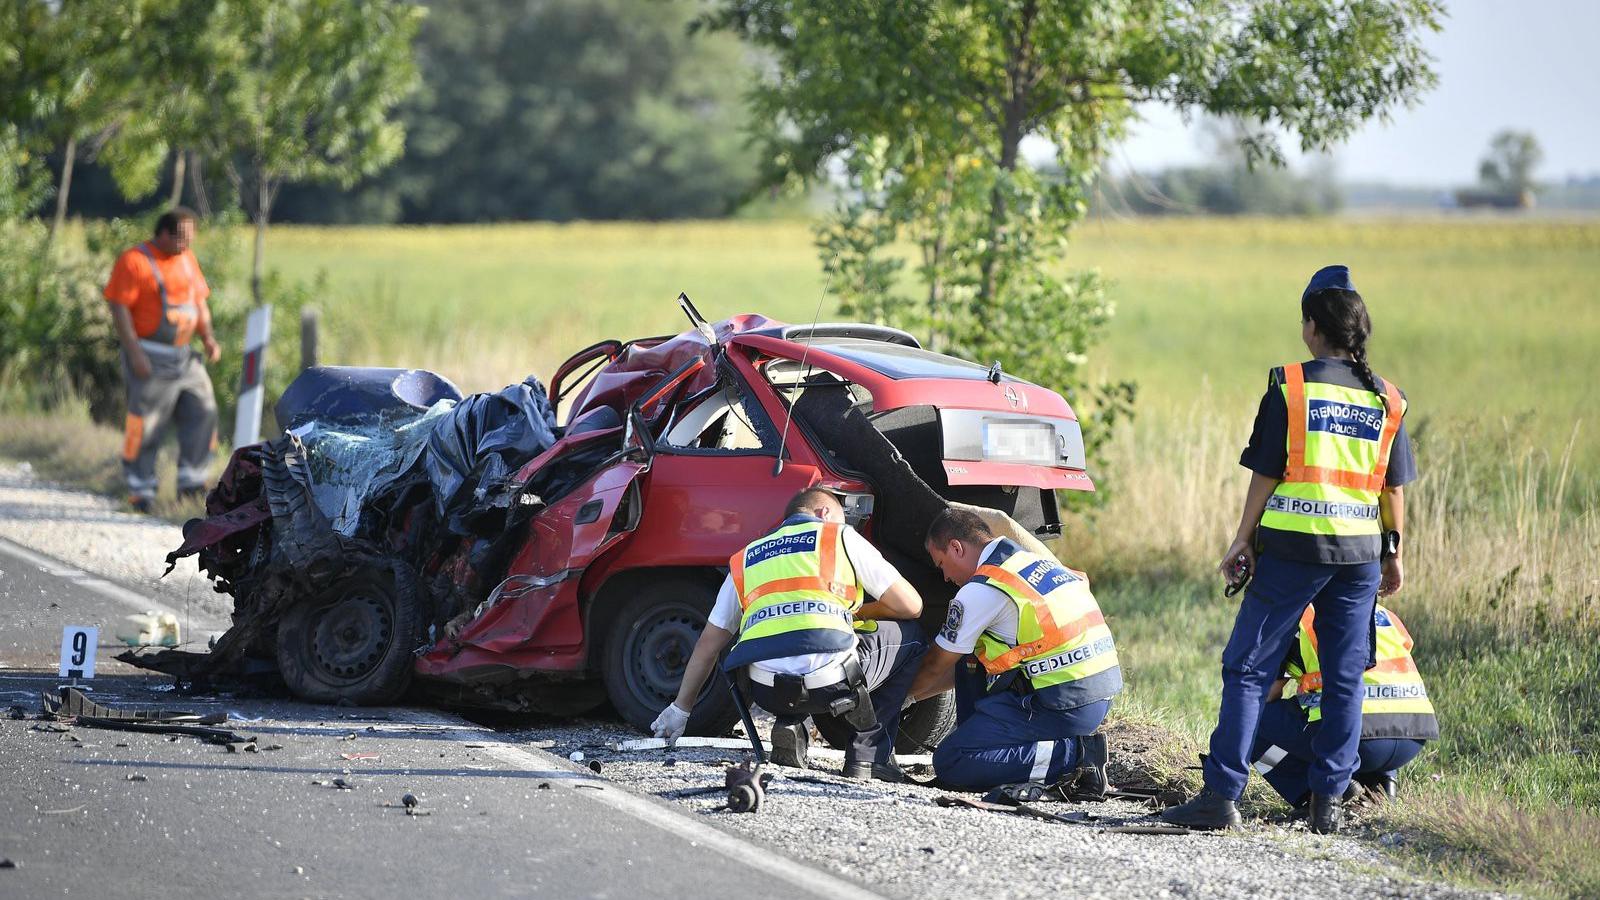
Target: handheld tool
column 1239, row 573
column 746, row 784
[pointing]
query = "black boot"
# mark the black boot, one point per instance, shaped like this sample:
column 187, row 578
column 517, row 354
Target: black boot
column 789, row 743
column 1090, row 780
column 865, row 771
column 1382, row 785
column 1327, row 814
column 1207, row 810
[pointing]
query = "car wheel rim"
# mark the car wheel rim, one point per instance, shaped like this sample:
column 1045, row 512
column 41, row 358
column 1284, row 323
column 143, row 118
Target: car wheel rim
column 662, row 643
column 351, row 636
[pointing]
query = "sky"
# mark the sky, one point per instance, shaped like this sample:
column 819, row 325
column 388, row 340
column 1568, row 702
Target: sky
column 1531, row 65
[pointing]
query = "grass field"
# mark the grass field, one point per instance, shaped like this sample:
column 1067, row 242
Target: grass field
column 1483, row 324
column 1491, row 327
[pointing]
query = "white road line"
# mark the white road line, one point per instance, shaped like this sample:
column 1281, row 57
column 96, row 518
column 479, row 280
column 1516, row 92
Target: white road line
column 134, row 601
column 666, row 818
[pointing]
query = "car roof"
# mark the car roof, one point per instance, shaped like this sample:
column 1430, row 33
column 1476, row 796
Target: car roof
column 898, row 361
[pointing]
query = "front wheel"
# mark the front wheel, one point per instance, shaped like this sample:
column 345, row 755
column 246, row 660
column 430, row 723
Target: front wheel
column 352, row 641
column 648, row 643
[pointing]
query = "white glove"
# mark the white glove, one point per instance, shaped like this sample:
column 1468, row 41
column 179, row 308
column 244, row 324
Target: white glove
column 670, row 724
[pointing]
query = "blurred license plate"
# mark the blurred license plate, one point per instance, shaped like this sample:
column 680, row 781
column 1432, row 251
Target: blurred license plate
column 1020, row 442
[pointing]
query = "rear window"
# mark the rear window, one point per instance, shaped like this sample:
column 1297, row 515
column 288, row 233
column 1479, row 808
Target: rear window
column 898, row 361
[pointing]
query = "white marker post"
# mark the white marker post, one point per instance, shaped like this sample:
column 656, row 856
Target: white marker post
column 247, row 421
column 78, row 643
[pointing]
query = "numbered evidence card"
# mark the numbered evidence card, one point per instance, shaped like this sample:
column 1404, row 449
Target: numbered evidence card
column 78, row 643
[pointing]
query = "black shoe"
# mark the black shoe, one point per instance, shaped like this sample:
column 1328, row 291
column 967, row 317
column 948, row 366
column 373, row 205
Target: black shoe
column 863, row 771
column 1326, row 815
column 141, row 505
column 1207, row 810
column 1382, row 786
column 1090, row 781
column 789, row 743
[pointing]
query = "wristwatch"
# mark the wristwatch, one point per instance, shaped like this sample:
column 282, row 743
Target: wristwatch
column 1391, row 543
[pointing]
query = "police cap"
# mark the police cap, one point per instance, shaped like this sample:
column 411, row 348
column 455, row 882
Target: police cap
column 1329, row 278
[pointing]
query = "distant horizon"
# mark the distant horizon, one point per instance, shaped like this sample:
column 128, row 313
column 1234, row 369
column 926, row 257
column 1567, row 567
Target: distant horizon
column 1525, row 66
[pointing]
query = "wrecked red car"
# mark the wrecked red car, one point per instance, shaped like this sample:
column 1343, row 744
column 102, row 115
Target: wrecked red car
column 400, row 536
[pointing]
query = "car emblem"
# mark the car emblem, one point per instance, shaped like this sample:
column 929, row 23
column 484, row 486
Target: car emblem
column 1011, row 397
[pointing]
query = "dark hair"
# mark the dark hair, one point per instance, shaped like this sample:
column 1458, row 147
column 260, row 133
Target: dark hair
column 169, row 220
column 1341, row 317
column 956, row 524
column 806, row 499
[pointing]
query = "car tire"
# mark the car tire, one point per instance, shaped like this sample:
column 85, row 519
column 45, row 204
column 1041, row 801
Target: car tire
column 352, row 642
column 923, row 726
column 648, row 642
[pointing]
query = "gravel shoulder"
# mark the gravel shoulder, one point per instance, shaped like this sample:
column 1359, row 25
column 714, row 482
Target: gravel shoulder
column 890, row 837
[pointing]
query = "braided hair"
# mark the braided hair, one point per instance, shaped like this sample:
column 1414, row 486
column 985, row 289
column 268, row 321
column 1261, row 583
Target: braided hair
column 1341, row 317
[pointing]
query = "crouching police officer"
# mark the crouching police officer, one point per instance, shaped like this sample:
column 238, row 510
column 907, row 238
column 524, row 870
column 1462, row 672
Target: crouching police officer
column 1396, row 716
column 807, row 643
column 1050, row 662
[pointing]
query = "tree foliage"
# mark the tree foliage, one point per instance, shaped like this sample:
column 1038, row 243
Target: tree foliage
column 304, row 91
column 1508, row 166
column 563, row 109
column 926, row 104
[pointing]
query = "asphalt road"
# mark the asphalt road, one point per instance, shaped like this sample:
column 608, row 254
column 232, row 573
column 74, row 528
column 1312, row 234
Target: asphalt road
column 101, row 813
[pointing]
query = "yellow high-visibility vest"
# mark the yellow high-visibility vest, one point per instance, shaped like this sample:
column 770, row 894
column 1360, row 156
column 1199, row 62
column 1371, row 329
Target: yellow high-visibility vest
column 798, row 591
column 1063, row 644
column 1339, row 439
column 1395, row 701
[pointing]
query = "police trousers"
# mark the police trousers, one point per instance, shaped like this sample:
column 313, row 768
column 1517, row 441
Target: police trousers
column 1282, row 753
column 1006, row 737
column 890, row 656
column 177, row 393
column 1267, row 623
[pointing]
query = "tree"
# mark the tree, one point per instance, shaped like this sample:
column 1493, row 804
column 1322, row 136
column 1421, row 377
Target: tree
column 927, row 104
column 564, row 109
column 1508, row 166
column 303, row 91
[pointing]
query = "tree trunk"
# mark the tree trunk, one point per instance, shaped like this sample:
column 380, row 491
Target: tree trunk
column 263, row 208
column 68, row 157
column 179, row 163
column 197, row 186
column 1018, row 81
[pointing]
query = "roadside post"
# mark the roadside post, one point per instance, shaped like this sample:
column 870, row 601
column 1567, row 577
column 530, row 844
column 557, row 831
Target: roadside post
column 308, row 338
column 78, row 643
column 247, row 421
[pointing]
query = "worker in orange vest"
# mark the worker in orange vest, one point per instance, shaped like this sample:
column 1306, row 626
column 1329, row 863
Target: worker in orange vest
column 157, row 296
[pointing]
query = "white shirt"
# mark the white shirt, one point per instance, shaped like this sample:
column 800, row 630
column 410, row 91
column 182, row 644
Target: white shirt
column 872, row 570
column 977, row 608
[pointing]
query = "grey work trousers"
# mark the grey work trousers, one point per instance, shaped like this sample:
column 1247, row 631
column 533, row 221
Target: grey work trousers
column 178, row 392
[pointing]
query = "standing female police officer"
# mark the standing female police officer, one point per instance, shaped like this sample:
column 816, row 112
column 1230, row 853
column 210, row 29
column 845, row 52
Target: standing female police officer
column 1329, row 455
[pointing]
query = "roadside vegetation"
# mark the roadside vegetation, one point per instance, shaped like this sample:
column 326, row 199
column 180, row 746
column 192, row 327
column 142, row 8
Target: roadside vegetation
column 1487, row 326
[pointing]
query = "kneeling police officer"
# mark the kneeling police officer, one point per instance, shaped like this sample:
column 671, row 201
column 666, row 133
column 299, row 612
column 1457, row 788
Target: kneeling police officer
column 1049, row 666
column 1397, row 717
column 808, row 644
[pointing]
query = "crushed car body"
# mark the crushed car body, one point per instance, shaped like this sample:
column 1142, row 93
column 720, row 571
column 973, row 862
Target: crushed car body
column 398, row 534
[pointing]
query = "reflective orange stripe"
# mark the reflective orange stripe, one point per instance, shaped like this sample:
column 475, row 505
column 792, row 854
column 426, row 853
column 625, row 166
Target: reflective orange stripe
column 1400, row 665
column 1053, row 635
column 1294, row 383
column 828, row 550
column 1009, row 659
column 1391, row 427
column 1306, row 618
column 1297, row 472
column 736, row 571
column 786, row 585
column 132, row 436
